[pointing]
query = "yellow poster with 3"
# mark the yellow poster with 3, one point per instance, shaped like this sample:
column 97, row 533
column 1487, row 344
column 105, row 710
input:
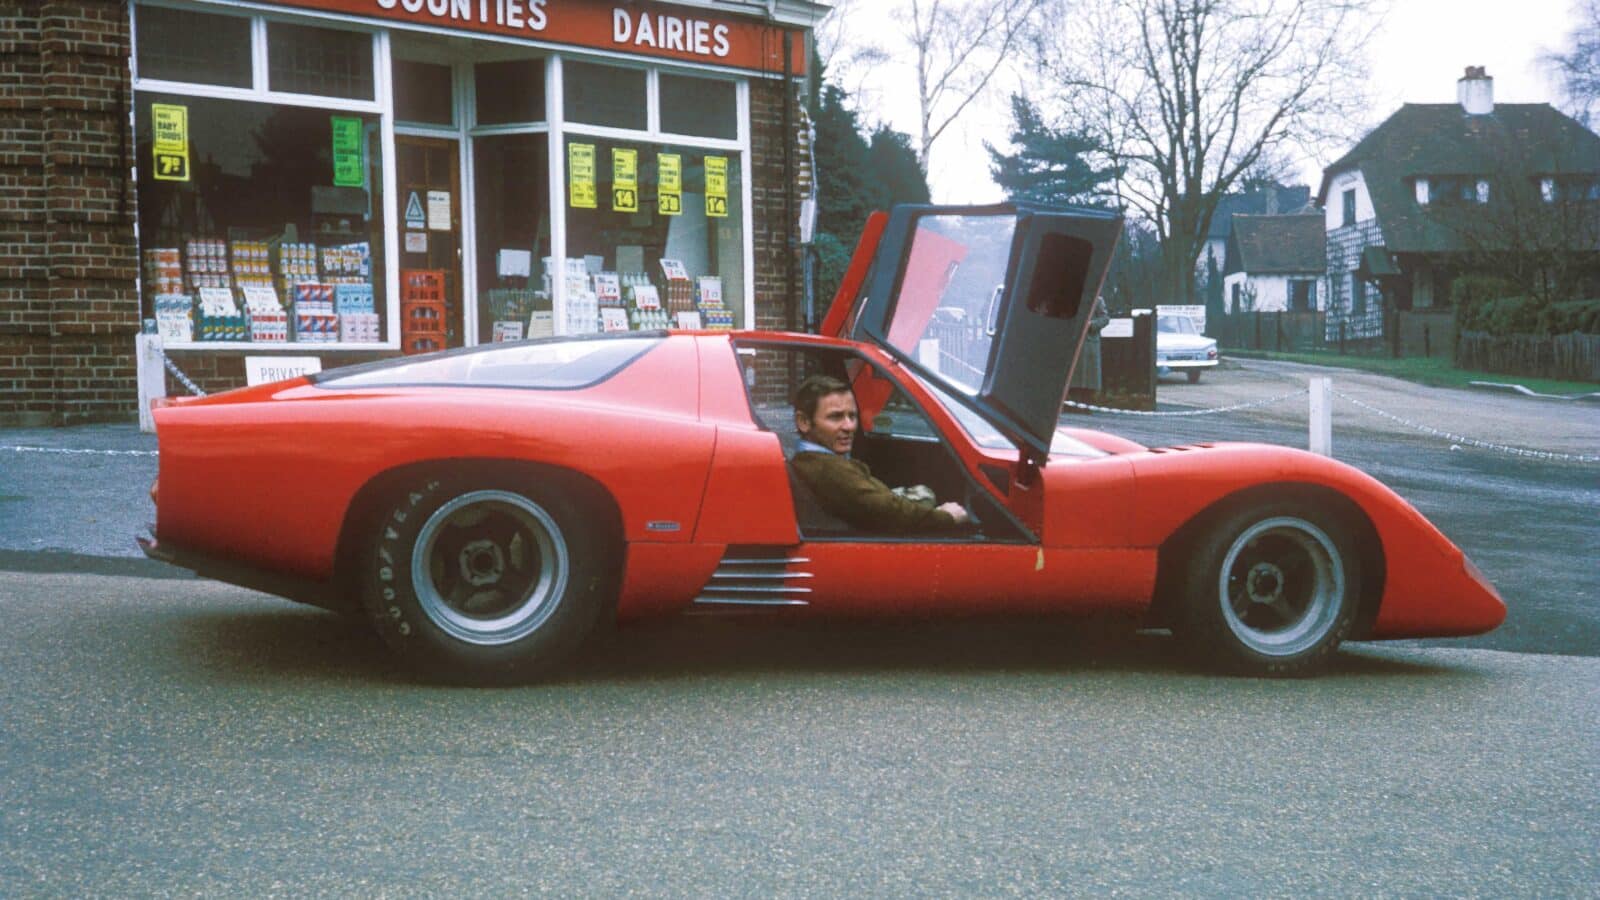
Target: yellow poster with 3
column 580, row 176
column 624, row 180
column 169, row 141
column 669, row 191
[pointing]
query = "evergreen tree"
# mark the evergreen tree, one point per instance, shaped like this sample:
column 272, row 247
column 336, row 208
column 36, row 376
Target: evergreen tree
column 896, row 174
column 1048, row 166
column 856, row 175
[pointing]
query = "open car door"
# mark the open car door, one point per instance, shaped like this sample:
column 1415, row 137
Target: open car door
column 992, row 302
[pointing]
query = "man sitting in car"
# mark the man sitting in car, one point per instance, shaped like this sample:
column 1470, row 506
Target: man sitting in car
column 826, row 416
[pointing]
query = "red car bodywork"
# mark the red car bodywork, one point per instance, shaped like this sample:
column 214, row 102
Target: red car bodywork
column 265, row 479
column 268, row 486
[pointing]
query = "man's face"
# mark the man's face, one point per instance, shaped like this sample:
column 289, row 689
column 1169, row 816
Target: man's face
column 834, row 425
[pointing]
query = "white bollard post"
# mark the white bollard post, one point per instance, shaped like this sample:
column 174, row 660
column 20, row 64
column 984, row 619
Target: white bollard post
column 152, row 377
column 1322, row 416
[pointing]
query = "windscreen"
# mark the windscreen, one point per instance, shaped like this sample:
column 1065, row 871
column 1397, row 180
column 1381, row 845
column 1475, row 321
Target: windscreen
column 944, row 308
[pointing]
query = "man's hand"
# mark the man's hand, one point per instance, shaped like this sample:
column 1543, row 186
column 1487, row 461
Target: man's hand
column 956, row 511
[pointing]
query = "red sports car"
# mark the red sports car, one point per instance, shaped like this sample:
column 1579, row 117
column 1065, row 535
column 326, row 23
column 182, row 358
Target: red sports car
column 489, row 508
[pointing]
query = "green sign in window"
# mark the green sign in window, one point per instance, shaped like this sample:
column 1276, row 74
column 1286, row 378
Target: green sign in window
column 349, row 162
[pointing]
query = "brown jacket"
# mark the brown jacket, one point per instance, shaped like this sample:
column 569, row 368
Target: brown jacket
column 845, row 488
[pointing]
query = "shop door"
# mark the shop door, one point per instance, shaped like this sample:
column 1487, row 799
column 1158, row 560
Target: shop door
column 427, row 171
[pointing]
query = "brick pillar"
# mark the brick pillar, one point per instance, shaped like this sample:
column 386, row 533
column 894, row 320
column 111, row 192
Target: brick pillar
column 774, row 237
column 68, row 260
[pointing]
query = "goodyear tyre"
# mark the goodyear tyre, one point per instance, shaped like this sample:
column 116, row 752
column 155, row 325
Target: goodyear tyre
column 490, row 581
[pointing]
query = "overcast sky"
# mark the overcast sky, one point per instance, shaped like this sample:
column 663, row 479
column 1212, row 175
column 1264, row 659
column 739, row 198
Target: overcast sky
column 1416, row 56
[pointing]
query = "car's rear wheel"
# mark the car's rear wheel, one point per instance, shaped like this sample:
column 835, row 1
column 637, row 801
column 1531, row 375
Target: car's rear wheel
column 491, row 580
column 1273, row 589
column 1194, row 376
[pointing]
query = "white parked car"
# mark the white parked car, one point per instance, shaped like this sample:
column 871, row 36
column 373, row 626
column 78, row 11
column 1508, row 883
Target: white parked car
column 1181, row 347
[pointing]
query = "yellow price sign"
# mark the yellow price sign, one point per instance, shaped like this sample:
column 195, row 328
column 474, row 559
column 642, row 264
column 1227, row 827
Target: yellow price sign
column 717, row 186
column 624, row 180
column 169, row 140
column 580, row 176
column 669, row 193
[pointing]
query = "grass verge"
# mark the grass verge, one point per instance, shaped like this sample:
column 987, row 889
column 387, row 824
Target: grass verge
column 1430, row 370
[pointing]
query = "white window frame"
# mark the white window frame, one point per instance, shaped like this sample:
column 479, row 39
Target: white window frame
column 381, row 105
column 464, row 131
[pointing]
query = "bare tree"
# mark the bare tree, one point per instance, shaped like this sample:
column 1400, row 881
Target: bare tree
column 959, row 47
column 954, row 48
column 1578, row 68
column 849, row 56
column 1191, row 96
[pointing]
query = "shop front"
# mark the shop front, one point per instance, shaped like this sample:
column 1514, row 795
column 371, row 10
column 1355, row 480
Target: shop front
column 355, row 178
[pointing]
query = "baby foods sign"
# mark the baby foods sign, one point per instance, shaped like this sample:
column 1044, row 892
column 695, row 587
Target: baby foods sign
column 639, row 27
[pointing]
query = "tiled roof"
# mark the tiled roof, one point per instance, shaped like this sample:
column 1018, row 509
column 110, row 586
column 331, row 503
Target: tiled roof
column 1265, row 201
column 1517, row 141
column 1267, row 245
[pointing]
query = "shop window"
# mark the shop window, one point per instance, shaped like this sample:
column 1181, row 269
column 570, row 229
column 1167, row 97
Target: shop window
column 654, row 237
column 270, row 229
column 422, row 93
column 305, row 59
column 604, row 95
column 510, row 92
column 202, row 48
column 513, row 228
column 704, row 107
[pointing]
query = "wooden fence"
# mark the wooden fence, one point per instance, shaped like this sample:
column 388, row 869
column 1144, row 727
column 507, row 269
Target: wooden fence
column 1575, row 357
column 1408, row 333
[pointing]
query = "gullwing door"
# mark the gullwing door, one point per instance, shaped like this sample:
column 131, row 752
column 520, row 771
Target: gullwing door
column 992, row 302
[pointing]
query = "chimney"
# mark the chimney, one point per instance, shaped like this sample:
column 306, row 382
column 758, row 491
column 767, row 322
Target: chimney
column 1475, row 91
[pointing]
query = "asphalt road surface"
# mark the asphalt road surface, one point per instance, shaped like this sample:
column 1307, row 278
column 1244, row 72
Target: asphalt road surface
column 183, row 737
column 178, row 736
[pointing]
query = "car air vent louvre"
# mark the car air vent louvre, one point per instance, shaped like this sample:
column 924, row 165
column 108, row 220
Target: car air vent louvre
column 757, row 576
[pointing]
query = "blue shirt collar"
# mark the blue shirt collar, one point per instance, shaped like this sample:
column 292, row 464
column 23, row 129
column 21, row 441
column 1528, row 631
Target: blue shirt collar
column 806, row 446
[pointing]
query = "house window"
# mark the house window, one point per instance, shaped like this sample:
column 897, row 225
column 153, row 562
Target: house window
column 1349, row 215
column 1302, row 295
column 1421, row 188
column 1458, row 189
column 1568, row 188
column 1237, row 295
column 1358, row 296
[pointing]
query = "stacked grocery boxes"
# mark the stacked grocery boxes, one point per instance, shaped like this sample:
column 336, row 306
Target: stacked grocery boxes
column 713, row 313
column 358, row 318
column 315, row 321
column 163, row 281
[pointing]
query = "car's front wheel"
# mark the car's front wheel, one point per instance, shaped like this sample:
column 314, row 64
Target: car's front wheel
column 485, row 581
column 1273, row 589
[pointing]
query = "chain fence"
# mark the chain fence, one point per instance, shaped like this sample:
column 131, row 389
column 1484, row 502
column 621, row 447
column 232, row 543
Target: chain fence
column 1465, row 441
column 178, row 374
column 1253, row 404
column 76, row 451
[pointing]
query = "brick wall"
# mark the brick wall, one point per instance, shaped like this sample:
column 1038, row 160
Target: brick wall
column 776, row 235
column 68, row 309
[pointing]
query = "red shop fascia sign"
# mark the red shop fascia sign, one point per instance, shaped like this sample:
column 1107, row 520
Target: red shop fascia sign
column 635, row 27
